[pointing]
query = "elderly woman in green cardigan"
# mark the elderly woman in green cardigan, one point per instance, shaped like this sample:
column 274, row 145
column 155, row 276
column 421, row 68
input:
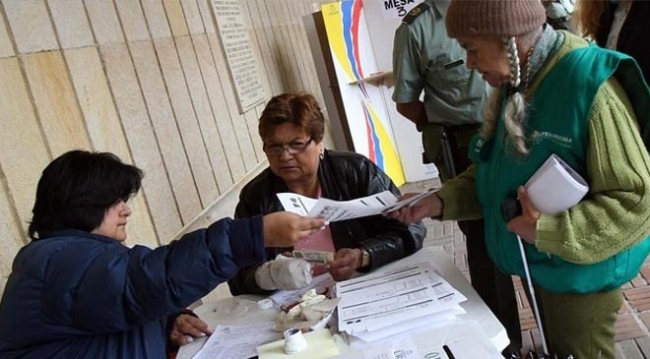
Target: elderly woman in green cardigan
column 554, row 94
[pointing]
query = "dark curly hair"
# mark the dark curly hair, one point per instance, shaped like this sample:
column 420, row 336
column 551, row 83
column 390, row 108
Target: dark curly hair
column 77, row 188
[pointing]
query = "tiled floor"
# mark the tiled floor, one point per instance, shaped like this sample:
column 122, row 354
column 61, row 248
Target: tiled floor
column 632, row 327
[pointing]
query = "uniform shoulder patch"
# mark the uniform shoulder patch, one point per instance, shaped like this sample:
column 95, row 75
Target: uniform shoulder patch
column 415, row 12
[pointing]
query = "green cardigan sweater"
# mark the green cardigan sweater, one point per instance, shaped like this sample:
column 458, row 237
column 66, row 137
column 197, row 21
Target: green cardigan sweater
column 616, row 213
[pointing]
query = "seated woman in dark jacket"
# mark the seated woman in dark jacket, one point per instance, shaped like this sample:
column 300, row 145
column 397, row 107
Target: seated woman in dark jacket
column 76, row 292
column 292, row 127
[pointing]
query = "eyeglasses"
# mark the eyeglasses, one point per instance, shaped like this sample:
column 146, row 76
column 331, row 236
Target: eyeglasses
column 292, row 148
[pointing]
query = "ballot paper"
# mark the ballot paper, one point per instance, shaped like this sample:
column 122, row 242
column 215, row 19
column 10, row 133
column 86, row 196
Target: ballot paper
column 388, row 297
column 237, row 341
column 555, row 186
column 333, row 211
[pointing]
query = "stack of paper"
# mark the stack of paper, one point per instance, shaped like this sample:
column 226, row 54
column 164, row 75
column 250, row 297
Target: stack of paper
column 464, row 339
column 388, row 302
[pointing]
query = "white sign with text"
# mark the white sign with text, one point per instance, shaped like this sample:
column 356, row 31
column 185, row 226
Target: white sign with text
column 239, row 53
column 396, row 9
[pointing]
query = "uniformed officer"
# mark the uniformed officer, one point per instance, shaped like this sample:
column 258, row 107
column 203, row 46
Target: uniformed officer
column 559, row 12
column 426, row 60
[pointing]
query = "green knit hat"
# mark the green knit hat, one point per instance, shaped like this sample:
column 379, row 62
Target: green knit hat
column 502, row 18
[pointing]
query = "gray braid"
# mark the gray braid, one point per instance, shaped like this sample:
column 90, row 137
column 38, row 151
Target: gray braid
column 514, row 120
column 515, row 111
column 513, row 58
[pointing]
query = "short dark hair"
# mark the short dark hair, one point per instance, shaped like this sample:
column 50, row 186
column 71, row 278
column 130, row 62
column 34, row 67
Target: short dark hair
column 77, row 188
column 301, row 110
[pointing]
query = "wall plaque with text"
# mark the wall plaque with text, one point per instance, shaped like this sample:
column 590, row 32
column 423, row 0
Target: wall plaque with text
column 239, row 53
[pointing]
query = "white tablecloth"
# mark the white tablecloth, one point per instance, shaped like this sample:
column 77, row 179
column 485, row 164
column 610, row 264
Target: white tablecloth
column 244, row 310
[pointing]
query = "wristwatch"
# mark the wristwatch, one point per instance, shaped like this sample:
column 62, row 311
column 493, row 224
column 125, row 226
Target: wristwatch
column 365, row 258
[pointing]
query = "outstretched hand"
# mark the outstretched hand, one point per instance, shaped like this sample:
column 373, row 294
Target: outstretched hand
column 525, row 225
column 429, row 206
column 284, row 229
column 186, row 328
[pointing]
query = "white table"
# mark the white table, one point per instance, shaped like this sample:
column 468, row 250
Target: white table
column 241, row 310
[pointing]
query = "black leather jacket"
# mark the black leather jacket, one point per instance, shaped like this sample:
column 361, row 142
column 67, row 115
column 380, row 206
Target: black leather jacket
column 631, row 39
column 343, row 176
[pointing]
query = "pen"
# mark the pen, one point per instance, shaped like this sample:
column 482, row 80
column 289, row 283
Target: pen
column 450, row 355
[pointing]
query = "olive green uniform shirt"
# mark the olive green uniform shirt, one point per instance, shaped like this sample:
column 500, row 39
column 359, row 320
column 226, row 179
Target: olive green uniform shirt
column 426, row 59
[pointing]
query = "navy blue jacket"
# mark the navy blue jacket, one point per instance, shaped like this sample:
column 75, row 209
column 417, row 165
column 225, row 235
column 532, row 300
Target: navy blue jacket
column 73, row 294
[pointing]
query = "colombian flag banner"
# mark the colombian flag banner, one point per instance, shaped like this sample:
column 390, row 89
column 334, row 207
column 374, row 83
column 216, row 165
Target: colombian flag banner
column 364, row 103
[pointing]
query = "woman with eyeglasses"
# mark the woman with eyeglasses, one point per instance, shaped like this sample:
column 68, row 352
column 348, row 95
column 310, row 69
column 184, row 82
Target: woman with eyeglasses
column 292, row 128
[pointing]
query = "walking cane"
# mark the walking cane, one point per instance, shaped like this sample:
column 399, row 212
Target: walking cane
column 532, row 294
column 575, row 188
column 511, row 208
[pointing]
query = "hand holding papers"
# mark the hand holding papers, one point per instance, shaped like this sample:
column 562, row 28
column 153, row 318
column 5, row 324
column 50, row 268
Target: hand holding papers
column 420, row 206
column 333, row 211
column 555, row 187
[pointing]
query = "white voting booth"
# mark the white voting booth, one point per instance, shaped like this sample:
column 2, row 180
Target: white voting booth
column 352, row 42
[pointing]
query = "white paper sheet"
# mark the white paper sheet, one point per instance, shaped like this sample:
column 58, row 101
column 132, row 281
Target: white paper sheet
column 464, row 339
column 333, row 211
column 444, row 318
column 237, row 341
